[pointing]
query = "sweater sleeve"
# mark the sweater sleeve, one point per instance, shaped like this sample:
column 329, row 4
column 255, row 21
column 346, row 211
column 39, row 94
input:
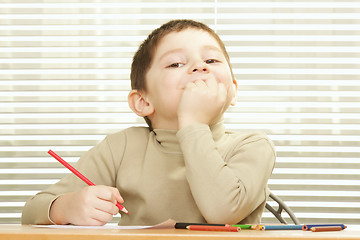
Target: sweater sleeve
column 97, row 165
column 230, row 185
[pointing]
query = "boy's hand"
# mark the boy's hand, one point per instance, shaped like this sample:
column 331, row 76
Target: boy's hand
column 94, row 205
column 201, row 102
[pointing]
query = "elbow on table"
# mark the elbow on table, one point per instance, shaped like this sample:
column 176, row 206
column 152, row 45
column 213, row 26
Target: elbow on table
column 235, row 211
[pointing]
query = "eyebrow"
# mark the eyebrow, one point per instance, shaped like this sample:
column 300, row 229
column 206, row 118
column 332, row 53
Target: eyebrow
column 171, row 52
column 210, row 47
column 206, row 47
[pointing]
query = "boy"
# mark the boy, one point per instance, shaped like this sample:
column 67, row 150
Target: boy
column 185, row 166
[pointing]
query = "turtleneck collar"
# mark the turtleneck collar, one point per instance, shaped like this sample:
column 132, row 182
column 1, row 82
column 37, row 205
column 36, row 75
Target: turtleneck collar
column 168, row 140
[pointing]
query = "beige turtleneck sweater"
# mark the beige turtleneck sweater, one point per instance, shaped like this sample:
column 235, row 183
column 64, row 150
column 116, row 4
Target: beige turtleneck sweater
column 197, row 174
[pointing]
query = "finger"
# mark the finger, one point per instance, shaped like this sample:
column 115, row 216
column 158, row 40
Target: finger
column 108, row 193
column 110, row 196
column 189, row 85
column 106, row 206
column 200, row 83
column 212, row 84
column 94, row 222
column 116, row 195
column 101, row 217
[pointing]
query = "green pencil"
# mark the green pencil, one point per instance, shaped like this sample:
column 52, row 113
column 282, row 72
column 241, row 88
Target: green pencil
column 243, row 226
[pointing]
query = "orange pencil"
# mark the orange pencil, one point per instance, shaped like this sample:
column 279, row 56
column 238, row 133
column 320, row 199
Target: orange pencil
column 325, row 229
column 213, row 228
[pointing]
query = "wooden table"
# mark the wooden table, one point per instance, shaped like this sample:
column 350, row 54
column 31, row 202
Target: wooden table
column 25, row 232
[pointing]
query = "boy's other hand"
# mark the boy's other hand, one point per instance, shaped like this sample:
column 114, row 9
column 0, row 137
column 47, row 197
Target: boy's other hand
column 201, row 102
column 93, row 205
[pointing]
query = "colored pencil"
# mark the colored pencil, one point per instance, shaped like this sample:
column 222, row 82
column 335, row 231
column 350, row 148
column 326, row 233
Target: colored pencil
column 183, row 225
column 281, row 227
column 243, row 226
column 82, row 177
column 326, row 229
column 213, row 228
column 307, row 227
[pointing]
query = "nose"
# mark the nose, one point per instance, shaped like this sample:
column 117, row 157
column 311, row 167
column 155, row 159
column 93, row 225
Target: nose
column 199, row 67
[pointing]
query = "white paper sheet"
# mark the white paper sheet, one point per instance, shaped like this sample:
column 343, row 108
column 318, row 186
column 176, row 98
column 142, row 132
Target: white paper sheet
column 167, row 224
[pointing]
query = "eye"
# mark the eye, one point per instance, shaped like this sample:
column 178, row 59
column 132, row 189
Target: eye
column 175, row 65
column 211, row 61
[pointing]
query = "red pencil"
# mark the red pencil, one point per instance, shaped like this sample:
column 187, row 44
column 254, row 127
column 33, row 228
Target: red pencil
column 82, row 177
column 213, row 228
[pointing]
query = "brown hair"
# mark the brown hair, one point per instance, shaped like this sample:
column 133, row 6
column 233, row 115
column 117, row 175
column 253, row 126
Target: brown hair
column 142, row 59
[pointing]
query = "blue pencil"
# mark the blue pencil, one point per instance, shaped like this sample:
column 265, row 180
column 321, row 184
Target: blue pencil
column 281, row 227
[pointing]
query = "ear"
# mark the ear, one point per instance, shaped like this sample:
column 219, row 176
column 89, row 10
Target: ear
column 234, row 98
column 139, row 103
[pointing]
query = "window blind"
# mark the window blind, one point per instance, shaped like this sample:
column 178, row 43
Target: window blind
column 64, row 80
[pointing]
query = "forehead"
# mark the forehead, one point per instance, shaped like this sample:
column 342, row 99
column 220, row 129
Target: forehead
column 186, row 39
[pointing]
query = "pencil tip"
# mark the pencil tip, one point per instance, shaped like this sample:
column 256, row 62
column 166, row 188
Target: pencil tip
column 125, row 211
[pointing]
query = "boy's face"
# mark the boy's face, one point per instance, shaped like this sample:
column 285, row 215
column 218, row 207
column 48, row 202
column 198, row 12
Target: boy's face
column 183, row 57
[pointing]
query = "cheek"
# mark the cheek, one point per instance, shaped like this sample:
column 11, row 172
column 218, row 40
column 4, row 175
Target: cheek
column 172, row 81
column 165, row 88
column 225, row 77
